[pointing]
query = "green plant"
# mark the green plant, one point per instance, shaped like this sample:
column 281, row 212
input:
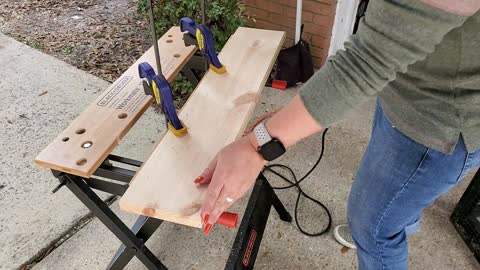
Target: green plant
column 182, row 89
column 67, row 50
column 223, row 17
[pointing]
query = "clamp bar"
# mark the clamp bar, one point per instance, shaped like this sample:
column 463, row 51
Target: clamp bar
column 158, row 86
column 203, row 5
column 154, row 37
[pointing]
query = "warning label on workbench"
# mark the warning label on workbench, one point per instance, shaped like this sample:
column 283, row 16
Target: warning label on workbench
column 124, row 98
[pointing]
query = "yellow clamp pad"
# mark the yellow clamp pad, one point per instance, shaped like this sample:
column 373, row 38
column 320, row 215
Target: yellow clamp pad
column 156, row 92
column 177, row 132
column 218, row 70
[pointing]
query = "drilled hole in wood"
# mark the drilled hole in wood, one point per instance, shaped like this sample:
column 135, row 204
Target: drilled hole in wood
column 81, row 161
column 176, row 55
column 122, row 115
column 80, row 131
column 87, row 144
column 169, row 41
column 65, row 139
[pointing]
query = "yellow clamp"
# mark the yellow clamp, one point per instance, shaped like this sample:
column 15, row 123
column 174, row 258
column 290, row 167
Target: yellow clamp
column 177, row 132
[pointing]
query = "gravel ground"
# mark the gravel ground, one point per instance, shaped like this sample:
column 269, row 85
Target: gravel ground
column 102, row 37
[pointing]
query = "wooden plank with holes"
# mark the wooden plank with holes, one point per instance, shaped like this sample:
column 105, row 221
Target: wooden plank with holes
column 215, row 114
column 86, row 142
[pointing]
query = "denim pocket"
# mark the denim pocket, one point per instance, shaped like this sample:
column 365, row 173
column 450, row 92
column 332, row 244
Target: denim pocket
column 467, row 167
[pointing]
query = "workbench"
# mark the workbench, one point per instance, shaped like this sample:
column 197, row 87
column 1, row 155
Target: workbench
column 162, row 190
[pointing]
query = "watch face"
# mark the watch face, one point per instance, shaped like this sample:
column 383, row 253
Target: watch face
column 272, row 150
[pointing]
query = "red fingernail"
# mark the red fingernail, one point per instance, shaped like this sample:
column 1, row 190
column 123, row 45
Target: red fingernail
column 207, row 229
column 198, row 180
column 205, row 219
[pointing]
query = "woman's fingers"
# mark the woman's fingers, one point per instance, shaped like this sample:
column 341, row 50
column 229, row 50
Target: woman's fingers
column 224, row 200
column 222, row 203
column 207, row 174
column 214, row 189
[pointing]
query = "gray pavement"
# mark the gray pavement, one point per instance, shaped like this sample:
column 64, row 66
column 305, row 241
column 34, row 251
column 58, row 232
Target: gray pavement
column 31, row 217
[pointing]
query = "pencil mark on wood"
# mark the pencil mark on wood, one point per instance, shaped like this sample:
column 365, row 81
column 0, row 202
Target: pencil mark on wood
column 191, row 209
column 245, row 99
column 256, row 44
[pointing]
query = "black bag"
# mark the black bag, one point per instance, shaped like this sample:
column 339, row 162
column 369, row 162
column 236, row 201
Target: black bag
column 294, row 64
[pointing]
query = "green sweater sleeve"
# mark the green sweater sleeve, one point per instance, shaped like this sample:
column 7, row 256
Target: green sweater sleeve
column 393, row 35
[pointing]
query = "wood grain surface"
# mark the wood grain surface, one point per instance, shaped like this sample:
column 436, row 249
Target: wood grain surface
column 215, row 114
column 104, row 123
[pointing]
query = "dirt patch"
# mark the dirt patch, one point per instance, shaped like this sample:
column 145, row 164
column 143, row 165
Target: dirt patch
column 102, row 37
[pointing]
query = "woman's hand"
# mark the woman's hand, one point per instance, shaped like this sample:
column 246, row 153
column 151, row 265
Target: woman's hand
column 230, row 174
column 236, row 167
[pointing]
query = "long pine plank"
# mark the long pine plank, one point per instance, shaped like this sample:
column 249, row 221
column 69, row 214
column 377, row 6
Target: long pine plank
column 215, row 114
column 106, row 121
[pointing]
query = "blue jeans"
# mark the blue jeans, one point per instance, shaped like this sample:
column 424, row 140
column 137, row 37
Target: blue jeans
column 396, row 180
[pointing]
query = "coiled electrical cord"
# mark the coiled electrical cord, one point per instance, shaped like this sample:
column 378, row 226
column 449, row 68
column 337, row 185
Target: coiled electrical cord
column 294, row 182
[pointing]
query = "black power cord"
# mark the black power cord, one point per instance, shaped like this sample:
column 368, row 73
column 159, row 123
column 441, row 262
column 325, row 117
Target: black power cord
column 294, row 182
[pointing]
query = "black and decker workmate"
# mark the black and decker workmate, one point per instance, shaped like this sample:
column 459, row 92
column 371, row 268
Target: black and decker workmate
column 80, row 157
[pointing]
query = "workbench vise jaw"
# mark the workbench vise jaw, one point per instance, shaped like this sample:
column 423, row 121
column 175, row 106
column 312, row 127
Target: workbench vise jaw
column 146, row 73
column 157, row 86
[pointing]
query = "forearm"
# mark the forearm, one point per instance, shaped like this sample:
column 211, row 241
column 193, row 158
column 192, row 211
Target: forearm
column 291, row 124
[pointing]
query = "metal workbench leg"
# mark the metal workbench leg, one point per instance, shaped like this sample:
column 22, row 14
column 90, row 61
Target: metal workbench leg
column 86, row 195
column 195, row 69
column 191, row 76
column 143, row 228
column 249, row 236
column 279, row 207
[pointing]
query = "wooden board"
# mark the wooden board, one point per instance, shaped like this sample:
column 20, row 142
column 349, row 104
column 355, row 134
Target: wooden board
column 112, row 114
column 215, row 114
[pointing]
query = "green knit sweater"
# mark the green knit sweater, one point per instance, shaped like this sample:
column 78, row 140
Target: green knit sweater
column 422, row 62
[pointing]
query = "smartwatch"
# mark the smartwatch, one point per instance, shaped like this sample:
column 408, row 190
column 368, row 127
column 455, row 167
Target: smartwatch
column 270, row 148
